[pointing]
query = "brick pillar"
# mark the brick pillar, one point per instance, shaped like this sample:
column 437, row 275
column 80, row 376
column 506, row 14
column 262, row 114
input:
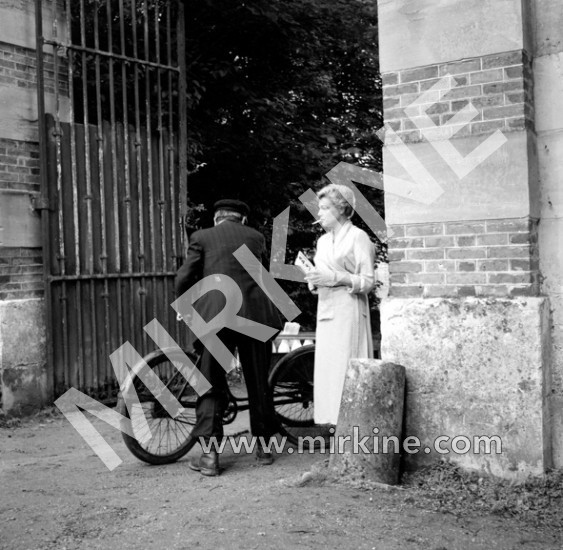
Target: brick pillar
column 24, row 382
column 465, row 315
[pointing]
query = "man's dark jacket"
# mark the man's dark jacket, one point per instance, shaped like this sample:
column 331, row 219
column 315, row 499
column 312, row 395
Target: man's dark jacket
column 210, row 252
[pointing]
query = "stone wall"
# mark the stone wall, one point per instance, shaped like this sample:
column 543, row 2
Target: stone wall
column 466, row 315
column 476, row 367
column 24, row 384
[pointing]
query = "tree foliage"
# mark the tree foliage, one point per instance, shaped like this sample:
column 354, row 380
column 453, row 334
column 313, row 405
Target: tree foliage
column 279, row 92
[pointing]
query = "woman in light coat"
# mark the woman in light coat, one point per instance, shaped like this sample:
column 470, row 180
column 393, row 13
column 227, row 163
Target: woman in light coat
column 344, row 274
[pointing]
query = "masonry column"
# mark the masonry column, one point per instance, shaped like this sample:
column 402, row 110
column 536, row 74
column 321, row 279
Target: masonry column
column 465, row 315
column 24, row 384
column 545, row 32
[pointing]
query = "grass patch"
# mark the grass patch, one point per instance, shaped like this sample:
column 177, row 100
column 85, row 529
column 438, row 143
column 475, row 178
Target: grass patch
column 445, row 487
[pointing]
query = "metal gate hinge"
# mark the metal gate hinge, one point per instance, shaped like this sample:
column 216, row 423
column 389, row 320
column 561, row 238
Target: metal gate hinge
column 40, row 203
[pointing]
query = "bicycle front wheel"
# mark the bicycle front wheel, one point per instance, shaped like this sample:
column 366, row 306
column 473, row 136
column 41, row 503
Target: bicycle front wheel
column 157, row 437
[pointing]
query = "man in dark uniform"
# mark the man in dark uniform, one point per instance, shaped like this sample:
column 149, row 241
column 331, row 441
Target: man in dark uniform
column 210, row 253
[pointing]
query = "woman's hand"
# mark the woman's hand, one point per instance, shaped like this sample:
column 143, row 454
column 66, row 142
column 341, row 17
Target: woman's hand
column 320, row 277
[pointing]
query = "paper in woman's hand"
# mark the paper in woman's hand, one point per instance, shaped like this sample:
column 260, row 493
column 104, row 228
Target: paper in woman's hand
column 303, row 263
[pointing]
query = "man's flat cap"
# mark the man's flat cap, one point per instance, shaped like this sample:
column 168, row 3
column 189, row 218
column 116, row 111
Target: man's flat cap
column 232, row 205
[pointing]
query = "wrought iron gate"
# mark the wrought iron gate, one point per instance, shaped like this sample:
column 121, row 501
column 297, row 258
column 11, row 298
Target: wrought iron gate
column 113, row 168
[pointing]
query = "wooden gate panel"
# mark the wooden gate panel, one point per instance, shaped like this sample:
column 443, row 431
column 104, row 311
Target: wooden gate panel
column 115, row 242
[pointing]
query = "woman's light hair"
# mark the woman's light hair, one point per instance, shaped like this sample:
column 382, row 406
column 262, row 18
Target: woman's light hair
column 341, row 196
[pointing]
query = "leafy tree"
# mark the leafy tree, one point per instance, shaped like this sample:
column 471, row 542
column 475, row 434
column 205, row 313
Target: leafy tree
column 278, row 93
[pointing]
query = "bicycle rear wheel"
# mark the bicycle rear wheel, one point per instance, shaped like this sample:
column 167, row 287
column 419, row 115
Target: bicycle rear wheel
column 167, row 439
column 291, row 381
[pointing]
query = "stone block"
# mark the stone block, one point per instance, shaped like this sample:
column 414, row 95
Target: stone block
column 548, row 92
column 547, row 26
column 466, row 240
column 419, row 73
column 23, row 371
column 438, row 242
column 493, row 239
column 508, row 252
column 466, row 266
column 423, row 254
column 18, row 112
column 493, row 265
column 502, row 59
column 460, row 67
column 473, row 253
column 407, row 291
column 482, row 77
column 426, row 278
column 405, row 243
column 432, row 266
column 503, row 112
column 503, row 87
column 475, row 367
column 497, row 188
column 405, row 267
column 389, row 79
column 18, row 22
column 20, row 225
column 466, row 278
column 516, row 72
column 413, row 34
column 427, row 229
column 510, row 278
column 431, row 291
column 464, row 228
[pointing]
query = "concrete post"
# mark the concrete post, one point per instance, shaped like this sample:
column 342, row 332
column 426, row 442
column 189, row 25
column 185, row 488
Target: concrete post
column 368, row 438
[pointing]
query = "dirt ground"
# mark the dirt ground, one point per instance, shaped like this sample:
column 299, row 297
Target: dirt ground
column 55, row 493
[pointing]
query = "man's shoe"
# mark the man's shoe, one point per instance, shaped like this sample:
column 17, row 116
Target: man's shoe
column 264, row 458
column 207, row 464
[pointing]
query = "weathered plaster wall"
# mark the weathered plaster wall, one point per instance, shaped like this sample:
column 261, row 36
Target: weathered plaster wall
column 474, row 367
column 497, row 188
column 23, row 377
column 18, row 22
column 413, row 33
column 22, row 332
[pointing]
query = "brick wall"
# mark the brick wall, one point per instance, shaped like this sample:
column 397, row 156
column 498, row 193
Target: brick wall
column 19, row 165
column 18, row 67
column 499, row 86
column 477, row 258
column 21, row 273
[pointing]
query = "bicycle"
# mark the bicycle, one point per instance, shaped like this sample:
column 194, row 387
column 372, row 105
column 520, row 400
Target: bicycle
column 290, row 380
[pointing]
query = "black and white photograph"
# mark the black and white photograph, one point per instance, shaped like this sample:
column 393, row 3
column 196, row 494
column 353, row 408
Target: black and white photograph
column 281, row 274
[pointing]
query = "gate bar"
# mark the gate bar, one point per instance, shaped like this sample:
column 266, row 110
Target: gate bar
column 44, row 189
